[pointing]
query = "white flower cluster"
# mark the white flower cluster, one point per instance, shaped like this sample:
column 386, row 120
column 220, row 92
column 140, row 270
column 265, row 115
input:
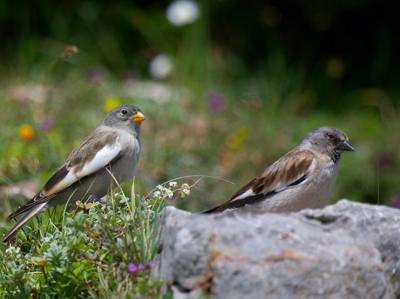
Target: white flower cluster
column 13, row 251
column 185, row 190
column 14, row 257
column 163, row 192
column 172, row 184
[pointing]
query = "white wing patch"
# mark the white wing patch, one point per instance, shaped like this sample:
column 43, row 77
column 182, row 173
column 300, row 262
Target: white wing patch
column 278, row 188
column 67, row 181
column 248, row 193
column 100, row 160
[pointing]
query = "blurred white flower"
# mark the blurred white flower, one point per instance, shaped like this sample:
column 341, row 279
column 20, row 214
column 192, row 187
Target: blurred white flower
column 156, row 91
column 169, row 193
column 172, row 184
column 185, row 190
column 161, row 66
column 182, row 12
column 13, row 250
column 37, row 93
column 163, row 192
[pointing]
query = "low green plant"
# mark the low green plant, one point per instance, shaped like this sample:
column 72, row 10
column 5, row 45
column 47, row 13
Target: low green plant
column 97, row 250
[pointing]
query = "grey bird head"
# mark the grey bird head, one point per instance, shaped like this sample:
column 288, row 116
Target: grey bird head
column 329, row 140
column 125, row 116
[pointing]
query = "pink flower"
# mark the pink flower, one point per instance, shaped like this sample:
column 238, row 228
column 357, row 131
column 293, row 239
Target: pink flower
column 150, row 264
column 132, row 268
column 215, row 102
column 47, row 124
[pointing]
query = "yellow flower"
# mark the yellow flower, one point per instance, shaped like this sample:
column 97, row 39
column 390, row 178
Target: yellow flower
column 110, row 104
column 85, row 206
column 26, row 132
column 40, row 261
column 237, row 139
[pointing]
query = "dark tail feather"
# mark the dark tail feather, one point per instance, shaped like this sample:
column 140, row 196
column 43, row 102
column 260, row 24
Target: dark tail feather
column 210, row 211
column 29, row 205
column 21, row 210
column 24, row 219
column 238, row 203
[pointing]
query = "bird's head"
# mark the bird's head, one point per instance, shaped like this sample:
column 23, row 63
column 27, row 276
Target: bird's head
column 329, row 140
column 125, row 116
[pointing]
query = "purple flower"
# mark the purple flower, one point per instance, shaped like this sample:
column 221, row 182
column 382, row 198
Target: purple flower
column 150, row 264
column 47, row 124
column 215, row 102
column 132, row 268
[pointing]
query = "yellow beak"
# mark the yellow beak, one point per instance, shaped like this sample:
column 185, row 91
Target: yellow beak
column 138, row 117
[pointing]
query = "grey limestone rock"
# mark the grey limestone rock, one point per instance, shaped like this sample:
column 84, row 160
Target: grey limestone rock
column 347, row 250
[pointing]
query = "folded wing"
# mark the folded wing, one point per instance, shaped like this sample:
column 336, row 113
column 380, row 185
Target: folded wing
column 292, row 169
column 93, row 154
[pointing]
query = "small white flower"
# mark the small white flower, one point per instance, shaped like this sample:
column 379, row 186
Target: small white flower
column 161, row 66
column 12, row 250
column 157, row 194
column 172, row 184
column 124, row 199
column 185, row 186
column 182, row 12
column 185, row 190
column 169, row 193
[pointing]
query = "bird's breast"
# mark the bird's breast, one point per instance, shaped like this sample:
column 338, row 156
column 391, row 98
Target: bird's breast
column 125, row 167
column 321, row 185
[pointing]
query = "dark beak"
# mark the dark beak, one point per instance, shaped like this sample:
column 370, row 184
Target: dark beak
column 346, row 146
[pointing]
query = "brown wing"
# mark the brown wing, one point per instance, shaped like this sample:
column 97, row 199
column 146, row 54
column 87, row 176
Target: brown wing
column 65, row 176
column 290, row 170
column 78, row 161
column 285, row 172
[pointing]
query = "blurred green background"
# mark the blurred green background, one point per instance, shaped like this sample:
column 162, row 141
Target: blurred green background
column 227, row 87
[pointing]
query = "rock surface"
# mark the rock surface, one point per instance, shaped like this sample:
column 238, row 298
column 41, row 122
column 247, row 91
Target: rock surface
column 347, row 250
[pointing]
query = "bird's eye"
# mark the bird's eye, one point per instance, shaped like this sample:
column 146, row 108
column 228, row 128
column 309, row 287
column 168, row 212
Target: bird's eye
column 124, row 111
column 333, row 138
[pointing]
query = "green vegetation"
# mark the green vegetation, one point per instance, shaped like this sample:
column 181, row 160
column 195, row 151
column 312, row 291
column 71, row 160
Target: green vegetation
column 237, row 88
column 97, row 250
